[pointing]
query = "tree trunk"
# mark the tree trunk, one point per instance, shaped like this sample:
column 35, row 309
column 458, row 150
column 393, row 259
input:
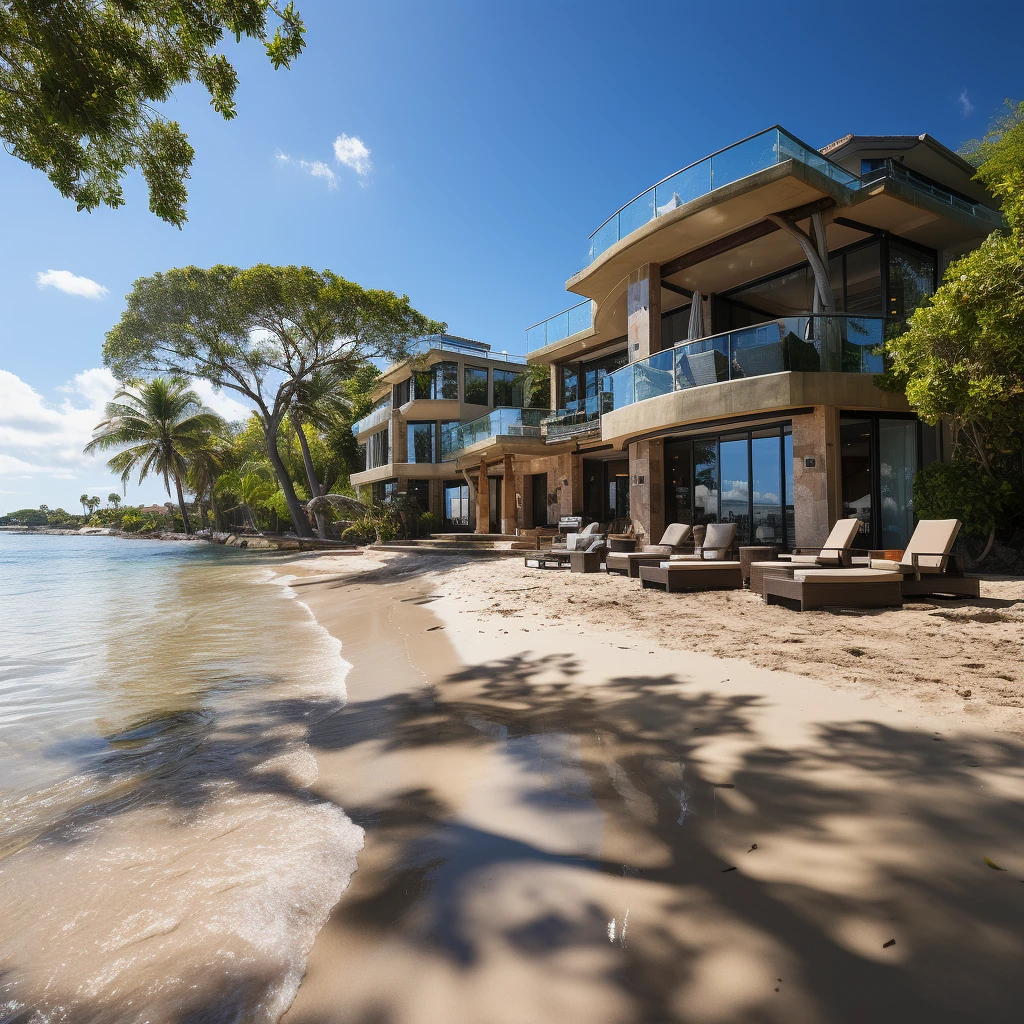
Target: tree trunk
column 299, row 521
column 215, row 511
column 314, row 484
column 181, row 505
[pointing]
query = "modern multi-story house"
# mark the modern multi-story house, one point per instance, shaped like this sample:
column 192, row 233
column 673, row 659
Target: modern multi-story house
column 448, row 392
column 722, row 364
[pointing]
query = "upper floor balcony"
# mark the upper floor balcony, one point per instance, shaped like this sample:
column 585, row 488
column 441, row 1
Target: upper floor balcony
column 828, row 343
column 380, row 413
column 503, row 422
column 728, row 165
column 560, row 326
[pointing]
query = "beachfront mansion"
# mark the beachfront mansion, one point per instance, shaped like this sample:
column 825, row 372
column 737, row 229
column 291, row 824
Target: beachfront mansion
column 720, row 365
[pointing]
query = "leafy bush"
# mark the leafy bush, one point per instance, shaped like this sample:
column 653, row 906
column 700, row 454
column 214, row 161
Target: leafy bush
column 427, row 522
column 25, row 517
column 133, row 521
column 958, row 490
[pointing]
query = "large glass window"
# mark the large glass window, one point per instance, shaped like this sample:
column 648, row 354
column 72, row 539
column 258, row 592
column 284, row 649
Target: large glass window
column 766, row 466
column 446, row 435
column 568, row 386
column 402, row 392
column 456, row 504
column 855, row 473
column 595, row 372
column 378, row 450
column 440, row 381
column 419, row 491
column 508, row 389
column 788, row 471
column 475, row 385
column 735, row 492
column 422, row 442
column 705, row 482
column 677, row 482
column 911, row 280
column 864, row 280
column 897, row 464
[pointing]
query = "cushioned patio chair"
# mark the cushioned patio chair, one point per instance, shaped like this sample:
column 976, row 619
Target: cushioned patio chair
column 836, row 551
column 927, row 566
column 717, row 547
column 629, row 562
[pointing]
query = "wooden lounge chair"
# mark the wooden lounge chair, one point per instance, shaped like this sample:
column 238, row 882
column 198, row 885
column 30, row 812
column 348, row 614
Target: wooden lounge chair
column 718, row 541
column 835, row 588
column 836, row 552
column 927, row 566
column 711, row 574
column 629, row 562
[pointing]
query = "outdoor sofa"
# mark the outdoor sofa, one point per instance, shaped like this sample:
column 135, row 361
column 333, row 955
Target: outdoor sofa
column 629, row 562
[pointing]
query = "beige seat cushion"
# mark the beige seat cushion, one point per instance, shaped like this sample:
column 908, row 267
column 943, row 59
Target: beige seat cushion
column 675, row 535
column 932, row 537
column 682, row 566
column 848, row 576
column 842, row 534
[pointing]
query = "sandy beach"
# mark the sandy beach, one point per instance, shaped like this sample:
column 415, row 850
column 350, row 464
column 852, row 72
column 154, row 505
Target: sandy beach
column 584, row 802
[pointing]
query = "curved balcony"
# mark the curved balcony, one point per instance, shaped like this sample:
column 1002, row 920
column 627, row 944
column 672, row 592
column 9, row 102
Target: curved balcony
column 809, row 343
column 560, row 326
column 741, row 159
column 503, row 422
column 373, row 418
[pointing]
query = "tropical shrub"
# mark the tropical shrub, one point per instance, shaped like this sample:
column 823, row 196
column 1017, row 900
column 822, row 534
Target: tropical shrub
column 959, row 490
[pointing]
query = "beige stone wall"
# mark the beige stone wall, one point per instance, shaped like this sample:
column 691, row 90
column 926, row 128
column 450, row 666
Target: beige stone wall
column 812, row 494
column 643, row 312
column 647, row 488
column 565, row 487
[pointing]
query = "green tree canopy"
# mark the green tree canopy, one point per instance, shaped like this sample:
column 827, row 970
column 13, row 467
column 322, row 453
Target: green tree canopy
column 962, row 358
column 264, row 333
column 79, row 80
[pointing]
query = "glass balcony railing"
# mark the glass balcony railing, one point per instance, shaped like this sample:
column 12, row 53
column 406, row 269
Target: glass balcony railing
column 373, row 418
column 499, row 423
column 443, row 343
column 560, row 326
column 917, row 181
column 836, row 342
column 576, row 418
column 698, row 179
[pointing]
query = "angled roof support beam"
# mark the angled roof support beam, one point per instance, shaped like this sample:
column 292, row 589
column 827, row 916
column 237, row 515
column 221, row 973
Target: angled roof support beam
column 822, row 285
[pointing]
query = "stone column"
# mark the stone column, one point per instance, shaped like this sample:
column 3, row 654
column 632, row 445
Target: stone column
column 508, row 497
column 643, row 312
column 483, row 501
column 647, row 488
column 811, row 478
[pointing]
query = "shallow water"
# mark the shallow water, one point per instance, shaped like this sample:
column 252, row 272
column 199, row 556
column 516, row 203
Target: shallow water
column 162, row 858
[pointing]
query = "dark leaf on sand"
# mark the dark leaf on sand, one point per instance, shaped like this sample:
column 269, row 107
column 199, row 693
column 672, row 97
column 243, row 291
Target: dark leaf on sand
column 994, row 867
column 752, row 848
column 886, row 945
column 724, row 870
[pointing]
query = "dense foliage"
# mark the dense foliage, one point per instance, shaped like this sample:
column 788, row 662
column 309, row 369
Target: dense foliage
column 962, row 358
column 80, row 80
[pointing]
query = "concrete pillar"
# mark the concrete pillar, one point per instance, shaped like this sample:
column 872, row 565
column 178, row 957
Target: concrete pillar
column 812, row 479
column 508, row 497
column 483, row 501
column 643, row 311
column 647, row 488
column 554, row 387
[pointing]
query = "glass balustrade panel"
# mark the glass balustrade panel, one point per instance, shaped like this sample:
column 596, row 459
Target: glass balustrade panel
column 745, row 158
column 605, row 237
column 682, row 188
column 654, row 376
column 581, row 317
column 637, row 213
column 756, row 351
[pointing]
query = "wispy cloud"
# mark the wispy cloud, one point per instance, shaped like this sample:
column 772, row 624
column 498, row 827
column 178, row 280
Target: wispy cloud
column 315, row 168
column 351, row 151
column 70, row 284
column 966, row 106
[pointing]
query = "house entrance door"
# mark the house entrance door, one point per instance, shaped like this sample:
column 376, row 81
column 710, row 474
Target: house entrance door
column 540, row 499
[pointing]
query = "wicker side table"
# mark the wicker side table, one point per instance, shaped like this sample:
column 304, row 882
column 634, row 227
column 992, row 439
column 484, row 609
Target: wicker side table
column 756, row 553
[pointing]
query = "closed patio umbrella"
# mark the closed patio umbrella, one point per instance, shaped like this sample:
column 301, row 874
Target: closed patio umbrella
column 696, row 326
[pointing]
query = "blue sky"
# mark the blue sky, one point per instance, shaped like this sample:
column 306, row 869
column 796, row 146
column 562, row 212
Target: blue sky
column 497, row 137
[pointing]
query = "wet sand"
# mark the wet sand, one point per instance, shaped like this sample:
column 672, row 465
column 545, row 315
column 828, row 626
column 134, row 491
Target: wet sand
column 569, row 823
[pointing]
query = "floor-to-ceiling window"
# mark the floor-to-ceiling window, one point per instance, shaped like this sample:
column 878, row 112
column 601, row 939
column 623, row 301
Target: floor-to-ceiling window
column 456, row 504
column 879, row 457
column 422, row 438
column 508, row 389
column 742, row 478
column 474, row 386
column 440, row 381
column 606, row 489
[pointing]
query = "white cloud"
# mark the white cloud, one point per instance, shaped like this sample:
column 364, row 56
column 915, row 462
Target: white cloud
column 70, row 284
column 220, row 402
column 351, row 151
column 315, row 168
column 966, row 106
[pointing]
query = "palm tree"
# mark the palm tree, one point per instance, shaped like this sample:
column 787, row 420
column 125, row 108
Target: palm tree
column 94, row 503
column 203, row 472
column 84, row 500
column 252, row 485
column 159, row 426
column 113, row 498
